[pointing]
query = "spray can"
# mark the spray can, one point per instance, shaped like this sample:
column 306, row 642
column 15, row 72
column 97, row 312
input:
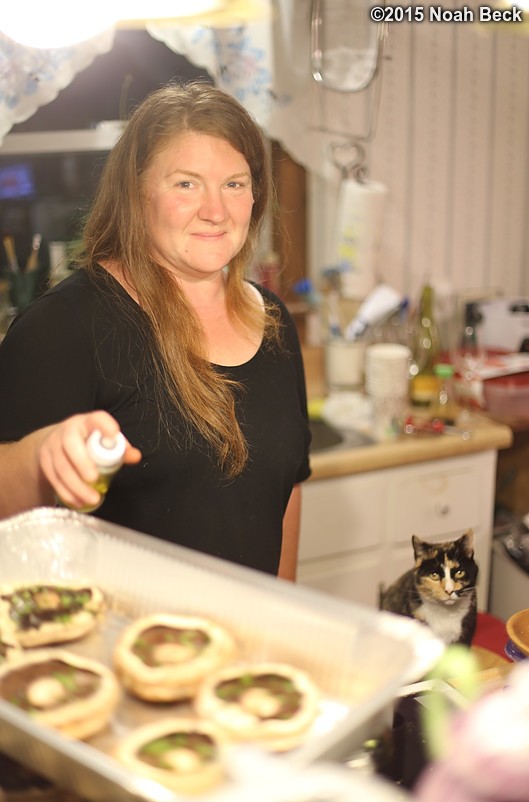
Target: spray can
column 107, row 453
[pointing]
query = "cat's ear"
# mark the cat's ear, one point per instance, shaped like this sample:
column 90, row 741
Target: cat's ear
column 466, row 541
column 419, row 546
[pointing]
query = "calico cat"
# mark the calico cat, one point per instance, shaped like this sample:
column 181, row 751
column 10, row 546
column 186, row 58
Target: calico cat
column 440, row 590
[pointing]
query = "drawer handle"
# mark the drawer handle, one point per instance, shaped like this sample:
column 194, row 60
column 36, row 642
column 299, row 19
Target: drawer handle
column 442, row 509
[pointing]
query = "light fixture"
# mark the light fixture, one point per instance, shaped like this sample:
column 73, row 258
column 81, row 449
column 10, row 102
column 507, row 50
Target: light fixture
column 52, row 24
column 208, row 13
column 49, row 24
column 143, row 10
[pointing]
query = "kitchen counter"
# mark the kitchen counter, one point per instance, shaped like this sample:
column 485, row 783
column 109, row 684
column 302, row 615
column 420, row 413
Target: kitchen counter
column 410, row 449
column 487, row 435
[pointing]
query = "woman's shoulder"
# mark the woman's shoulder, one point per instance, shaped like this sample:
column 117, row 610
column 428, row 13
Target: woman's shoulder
column 271, row 299
column 88, row 284
column 75, row 301
column 87, row 290
column 76, row 285
column 286, row 320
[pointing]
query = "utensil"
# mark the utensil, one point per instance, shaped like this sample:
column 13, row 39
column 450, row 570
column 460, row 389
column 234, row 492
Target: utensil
column 9, row 245
column 33, row 259
column 435, row 426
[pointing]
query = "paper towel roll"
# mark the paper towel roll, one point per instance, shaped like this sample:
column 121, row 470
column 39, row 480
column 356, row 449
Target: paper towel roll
column 359, row 220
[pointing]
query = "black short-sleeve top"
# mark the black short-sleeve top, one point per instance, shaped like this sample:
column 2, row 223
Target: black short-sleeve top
column 75, row 349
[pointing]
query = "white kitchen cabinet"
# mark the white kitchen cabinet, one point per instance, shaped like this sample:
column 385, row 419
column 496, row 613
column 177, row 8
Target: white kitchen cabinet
column 354, row 576
column 356, row 530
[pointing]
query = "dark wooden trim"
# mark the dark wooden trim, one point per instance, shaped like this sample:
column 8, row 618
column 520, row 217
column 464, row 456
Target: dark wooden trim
column 290, row 231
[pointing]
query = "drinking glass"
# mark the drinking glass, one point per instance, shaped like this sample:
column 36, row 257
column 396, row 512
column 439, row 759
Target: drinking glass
column 468, row 355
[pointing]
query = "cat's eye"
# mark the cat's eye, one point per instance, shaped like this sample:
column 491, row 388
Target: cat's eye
column 435, row 575
column 459, row 574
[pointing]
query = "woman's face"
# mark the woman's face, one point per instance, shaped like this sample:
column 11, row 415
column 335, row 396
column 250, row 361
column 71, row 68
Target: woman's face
column 199, row 202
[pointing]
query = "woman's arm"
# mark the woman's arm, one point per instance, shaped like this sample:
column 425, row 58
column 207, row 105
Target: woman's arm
column 54, row 461
column 22, row 483
column 291, row 523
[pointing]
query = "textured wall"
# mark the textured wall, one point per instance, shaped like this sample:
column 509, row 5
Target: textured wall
column 452, row 146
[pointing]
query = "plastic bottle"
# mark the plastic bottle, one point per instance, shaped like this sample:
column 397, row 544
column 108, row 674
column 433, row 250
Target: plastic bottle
column 107, row 453
column 424, row 386
column 445, row 408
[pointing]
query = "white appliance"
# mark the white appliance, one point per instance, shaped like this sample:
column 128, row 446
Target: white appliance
column 509, row 584
column 505, row 324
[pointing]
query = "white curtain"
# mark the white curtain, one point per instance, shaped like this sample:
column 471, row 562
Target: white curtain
column 30, row 78
column 266, row 65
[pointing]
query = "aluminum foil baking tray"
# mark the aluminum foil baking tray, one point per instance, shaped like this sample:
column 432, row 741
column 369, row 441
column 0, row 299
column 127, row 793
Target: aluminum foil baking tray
column 358, row 657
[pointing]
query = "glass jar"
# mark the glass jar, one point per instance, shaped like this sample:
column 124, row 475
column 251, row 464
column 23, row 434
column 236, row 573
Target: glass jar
column 445, row 407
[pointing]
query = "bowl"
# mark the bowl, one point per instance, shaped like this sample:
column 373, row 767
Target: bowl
column 518, row 630
column 507, row 396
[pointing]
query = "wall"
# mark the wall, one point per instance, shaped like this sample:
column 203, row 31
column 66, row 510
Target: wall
column 452, row 146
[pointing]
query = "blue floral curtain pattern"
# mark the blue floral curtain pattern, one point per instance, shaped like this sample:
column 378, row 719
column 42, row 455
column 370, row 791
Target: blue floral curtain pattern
column 240, row 60
column 30, row 78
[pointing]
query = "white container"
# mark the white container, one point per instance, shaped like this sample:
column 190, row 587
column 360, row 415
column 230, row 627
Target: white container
column 387, row 368
column 344, row 364
column 509, row 585
column 387, row 384
column 358, row 233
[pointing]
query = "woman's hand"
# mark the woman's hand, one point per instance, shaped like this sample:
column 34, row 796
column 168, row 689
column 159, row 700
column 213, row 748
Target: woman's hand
column 65, row 461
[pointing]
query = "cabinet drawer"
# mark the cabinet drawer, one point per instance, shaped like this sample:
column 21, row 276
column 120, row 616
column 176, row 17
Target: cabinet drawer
column 353, row 577
column 342, row 514
column 432, row 503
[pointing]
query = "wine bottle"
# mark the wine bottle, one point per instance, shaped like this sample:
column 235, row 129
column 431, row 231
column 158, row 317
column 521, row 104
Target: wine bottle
column 424, row 386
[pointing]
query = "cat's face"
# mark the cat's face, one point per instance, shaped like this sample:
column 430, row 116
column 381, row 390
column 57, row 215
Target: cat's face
column 445, row 571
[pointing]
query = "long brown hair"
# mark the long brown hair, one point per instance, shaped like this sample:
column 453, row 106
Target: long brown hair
column 115, row 229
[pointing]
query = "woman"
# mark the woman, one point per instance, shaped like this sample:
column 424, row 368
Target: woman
column 159, row 334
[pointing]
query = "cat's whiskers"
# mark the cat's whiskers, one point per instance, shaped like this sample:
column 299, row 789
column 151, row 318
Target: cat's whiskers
column 463, row 591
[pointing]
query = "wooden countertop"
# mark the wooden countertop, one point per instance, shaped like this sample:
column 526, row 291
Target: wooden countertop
column 487, row 434
column 409, row 449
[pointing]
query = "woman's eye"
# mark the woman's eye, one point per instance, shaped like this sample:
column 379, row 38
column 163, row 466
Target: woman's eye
column 184, row 184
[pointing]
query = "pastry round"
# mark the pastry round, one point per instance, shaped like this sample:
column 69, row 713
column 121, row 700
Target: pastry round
column 164, row 657
column 271, row 703
column 180, row 753
column 46, row 613
column 62, row 690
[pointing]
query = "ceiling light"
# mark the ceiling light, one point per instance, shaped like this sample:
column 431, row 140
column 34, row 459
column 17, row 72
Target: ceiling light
column 225, row 14
column 49, row 25
column 140, row 10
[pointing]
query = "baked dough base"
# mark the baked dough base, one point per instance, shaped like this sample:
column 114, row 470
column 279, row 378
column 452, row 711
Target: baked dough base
column 49, row 632
column 171, row 681
column 208, row 775
column 80, row 718
column 275, row 734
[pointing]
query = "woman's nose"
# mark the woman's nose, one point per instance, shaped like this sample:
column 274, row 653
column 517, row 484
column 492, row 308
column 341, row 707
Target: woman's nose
column 213, row 207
